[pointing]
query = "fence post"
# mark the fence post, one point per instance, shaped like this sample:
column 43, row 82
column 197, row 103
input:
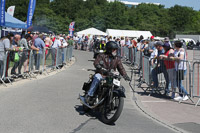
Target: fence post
column 43, row 59
column 4, row 69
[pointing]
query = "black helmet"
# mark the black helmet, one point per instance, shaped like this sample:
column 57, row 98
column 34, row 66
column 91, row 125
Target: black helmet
column 178, row 43
column 111, row 45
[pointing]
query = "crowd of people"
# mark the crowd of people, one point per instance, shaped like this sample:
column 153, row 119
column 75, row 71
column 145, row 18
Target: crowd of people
column 161, row 53
column 19, row 47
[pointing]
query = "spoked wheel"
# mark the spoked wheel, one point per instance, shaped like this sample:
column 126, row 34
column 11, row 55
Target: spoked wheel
column 112, row 112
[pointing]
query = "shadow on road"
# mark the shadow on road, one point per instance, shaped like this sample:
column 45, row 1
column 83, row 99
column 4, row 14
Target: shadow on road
column 90, row 113
column 94, row 115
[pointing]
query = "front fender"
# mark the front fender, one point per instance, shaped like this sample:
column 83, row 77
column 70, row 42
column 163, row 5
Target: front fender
column 120, row 91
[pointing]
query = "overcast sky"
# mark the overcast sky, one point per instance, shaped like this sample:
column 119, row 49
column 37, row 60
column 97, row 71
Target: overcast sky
column 169, row 3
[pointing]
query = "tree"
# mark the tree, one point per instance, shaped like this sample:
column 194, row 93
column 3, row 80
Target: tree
column 102, row 15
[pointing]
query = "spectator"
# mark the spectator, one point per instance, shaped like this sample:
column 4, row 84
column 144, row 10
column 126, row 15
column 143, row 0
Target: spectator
column 62, row 46
column 5, row 44
column 48, row 44
column 119, row 45
column 139, row 42
column 85, row 43
column 55, row 45
column 144, row 48
column 154, row 54
column 16, row 44
column 170, row 66
column 166, row 40
column 76, row 39
column 160, row 68
column 126, row 47
column 134, row 43
column 39, row 43
column 151, row 45
column 181, row 69
column 79, row 42
column 34, row 37
column 24, row 56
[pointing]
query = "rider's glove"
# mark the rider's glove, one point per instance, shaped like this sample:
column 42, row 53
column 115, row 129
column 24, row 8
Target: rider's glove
column 126, row 77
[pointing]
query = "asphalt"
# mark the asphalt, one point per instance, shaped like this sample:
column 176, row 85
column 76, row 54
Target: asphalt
column 50, row 105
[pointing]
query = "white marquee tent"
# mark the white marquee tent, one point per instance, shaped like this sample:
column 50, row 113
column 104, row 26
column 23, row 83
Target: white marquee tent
column 128, row 33
column 91, row 31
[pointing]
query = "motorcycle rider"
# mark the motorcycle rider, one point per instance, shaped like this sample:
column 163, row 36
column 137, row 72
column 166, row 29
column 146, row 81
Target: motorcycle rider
column 110, row 61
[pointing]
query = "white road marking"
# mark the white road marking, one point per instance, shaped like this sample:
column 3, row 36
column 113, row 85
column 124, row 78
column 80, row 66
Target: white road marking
column 153, row 101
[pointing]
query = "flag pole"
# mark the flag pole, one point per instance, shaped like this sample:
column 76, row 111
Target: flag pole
column 1, row 30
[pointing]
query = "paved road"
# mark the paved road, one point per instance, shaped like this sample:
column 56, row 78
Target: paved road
column 50, row 105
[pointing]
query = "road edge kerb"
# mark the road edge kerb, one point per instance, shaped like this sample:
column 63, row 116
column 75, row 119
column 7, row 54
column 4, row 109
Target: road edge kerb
column 22, row 81
column 153, row 117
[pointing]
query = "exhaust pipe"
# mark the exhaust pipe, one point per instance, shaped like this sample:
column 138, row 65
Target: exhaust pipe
column 82, row 100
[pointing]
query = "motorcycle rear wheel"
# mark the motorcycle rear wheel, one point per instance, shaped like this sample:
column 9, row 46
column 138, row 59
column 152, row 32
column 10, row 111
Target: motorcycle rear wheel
column 107, row 111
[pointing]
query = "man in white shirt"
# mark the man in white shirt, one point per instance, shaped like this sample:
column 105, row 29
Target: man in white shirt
column 55, row 46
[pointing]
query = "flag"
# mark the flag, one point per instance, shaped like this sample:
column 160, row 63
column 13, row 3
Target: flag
column 31, row 9
column 2, row 11
column 71, row 28
column 11, row 10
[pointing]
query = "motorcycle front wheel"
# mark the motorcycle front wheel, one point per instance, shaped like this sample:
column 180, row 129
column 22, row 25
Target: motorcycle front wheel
column 112, row 111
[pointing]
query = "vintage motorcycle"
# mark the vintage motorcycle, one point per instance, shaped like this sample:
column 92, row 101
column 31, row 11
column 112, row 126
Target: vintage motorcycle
column 108, row 98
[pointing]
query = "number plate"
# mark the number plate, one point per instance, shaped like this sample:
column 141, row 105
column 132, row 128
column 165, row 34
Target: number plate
column 116, row 82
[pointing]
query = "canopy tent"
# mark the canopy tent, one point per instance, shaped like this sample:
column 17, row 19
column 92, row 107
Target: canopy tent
column 37, row 28
column 12, row 22
column 128, row 33
column 91, row 31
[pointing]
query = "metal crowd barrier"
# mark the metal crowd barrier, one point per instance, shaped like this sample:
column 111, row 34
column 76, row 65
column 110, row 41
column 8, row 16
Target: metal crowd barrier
column 138, row 60
column 196, row 53
column 146, row 70
column 33, row 62
column 131, row 57
column 144, row 66
column 196, row 81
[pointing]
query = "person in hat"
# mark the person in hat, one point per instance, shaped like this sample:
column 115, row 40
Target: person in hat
column 151, row 45
column 166, row 40
column 170, row 66
column 160, row 68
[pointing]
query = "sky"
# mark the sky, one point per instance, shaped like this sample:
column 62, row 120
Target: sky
column 195, row 4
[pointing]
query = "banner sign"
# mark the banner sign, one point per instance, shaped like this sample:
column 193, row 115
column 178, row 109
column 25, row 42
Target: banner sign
column 2, row 11
column 31, row 9
column 11, row 10
column 71, row 28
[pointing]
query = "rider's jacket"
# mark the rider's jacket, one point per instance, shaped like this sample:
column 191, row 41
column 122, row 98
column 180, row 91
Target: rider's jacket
column 109, row 62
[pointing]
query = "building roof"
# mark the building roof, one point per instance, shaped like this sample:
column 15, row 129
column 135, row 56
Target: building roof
column 128, row 33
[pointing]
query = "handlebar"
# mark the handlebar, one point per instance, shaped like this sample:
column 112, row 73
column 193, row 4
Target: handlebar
column 109, row 73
